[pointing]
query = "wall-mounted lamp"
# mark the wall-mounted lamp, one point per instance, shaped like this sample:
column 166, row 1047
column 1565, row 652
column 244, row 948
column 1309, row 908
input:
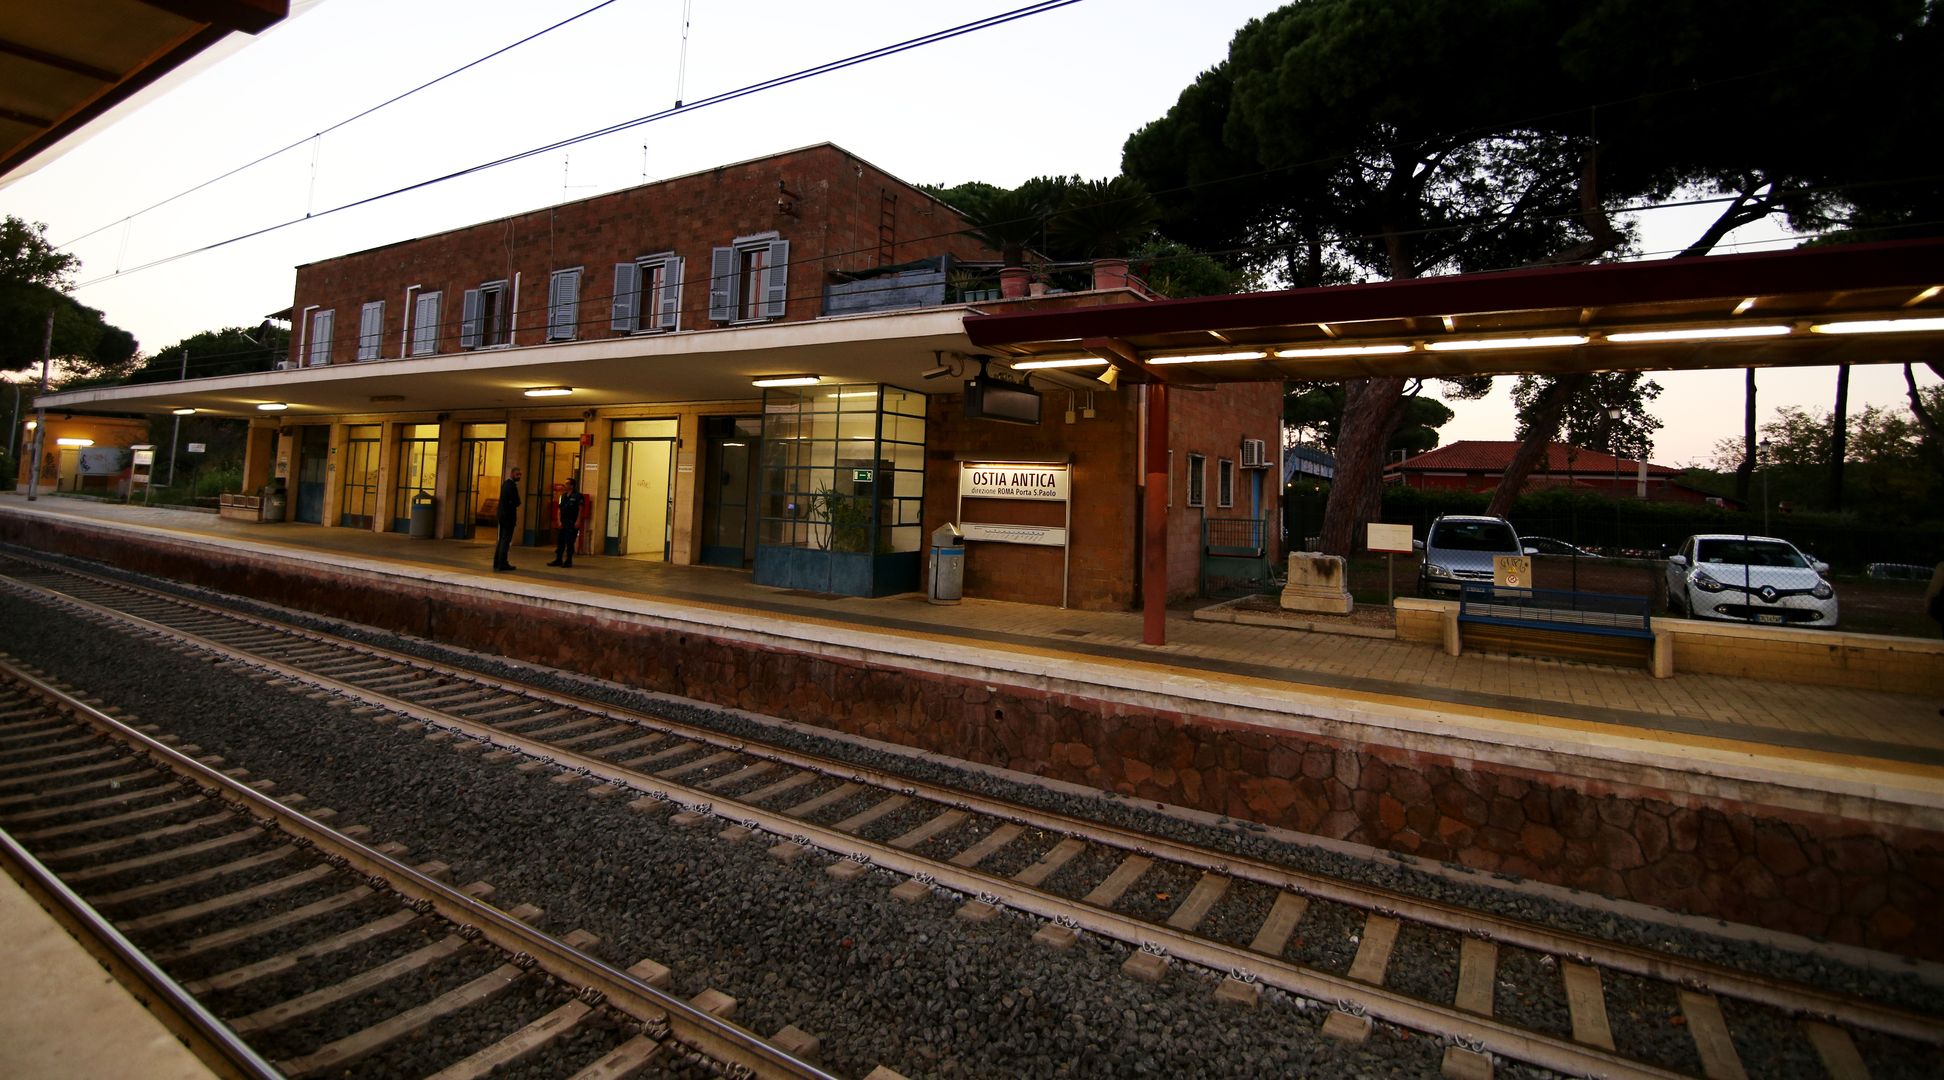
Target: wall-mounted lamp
column 74, row 442
column 786, row 380
column 271, row 406
column 1109, row 377
column 549, row 391
column 183, row 412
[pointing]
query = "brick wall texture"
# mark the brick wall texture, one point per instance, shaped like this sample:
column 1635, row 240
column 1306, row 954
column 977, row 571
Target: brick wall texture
column 837, row 211
column 1821, row 874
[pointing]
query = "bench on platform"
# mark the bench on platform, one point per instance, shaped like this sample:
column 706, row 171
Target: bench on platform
column 1558, row 622
column 241, row 507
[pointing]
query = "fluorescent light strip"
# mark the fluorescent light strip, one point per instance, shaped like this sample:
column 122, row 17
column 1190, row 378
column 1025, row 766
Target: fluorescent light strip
column 549, row 391
column 1699, row 333
column 1480, row 344
column 1342, row 350
column 272, row 406
column 786, row 380
column 1207, row 358
column 1078, row 361
column 1880, row 326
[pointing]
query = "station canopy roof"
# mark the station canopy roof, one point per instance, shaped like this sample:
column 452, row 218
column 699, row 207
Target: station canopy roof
column 65, row 63
column 1875, row 303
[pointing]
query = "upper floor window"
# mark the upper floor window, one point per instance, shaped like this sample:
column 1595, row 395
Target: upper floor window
column 749, row 280
column 483, row 316
column 563, row 305
column 318, row 351
column 371, row 330
column 648, row 294
column 1197, row 480
column 425, row 324
column 1224, row 482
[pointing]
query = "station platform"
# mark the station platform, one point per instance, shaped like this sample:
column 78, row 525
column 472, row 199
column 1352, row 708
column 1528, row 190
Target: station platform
column 1813, row 809
column 1887, row 727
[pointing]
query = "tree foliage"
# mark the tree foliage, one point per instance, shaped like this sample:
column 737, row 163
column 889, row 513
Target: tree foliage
column 34, row 279
column 1311, row 411
column 1396, row 138
column 231, row 350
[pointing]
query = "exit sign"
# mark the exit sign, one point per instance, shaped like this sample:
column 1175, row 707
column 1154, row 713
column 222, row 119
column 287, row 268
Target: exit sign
column 862, row 476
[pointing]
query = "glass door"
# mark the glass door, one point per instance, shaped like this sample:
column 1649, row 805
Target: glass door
column 358, row 497
column 418, row 470
column 731, row 450
column 553, row 455
column 641, row 488
column 482, row 456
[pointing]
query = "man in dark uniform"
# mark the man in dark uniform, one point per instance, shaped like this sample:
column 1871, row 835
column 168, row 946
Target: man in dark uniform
column 569, row 528
column 509, row 512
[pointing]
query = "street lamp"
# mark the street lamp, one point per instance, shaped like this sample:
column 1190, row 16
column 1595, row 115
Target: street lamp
column 1761, row 459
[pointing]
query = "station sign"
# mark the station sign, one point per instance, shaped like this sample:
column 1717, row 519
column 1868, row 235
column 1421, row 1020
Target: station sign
column 197, row 448
column 1391, row 538
column 1043, row 483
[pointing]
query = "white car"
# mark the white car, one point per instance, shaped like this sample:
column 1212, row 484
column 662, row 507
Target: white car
column 1753, row 579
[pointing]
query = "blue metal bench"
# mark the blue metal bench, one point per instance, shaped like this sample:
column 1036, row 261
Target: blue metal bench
column 1534, row 620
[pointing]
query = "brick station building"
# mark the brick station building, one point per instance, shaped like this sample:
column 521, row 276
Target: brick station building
column 760, row 366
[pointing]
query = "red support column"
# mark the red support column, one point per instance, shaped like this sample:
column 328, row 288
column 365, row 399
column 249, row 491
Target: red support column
column 1154, row 522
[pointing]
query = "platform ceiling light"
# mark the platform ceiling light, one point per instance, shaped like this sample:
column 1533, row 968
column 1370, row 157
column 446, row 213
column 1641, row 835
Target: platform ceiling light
column 74, row 442
column 183, row 412
column 549, row 391
column 1207, row 358
column 785, row 380
column 1076, row 361
column 1880, row 326
column 1699, row 333
column 271, row 406
column 1341, row 350
column 1543, row 341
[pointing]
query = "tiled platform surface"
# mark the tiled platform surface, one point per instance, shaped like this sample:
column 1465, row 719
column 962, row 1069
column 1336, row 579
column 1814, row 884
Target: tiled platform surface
column 1884, row 727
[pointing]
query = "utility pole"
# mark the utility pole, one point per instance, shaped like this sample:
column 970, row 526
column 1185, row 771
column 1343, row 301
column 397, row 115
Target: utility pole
column 40, row 413
column 178, row 422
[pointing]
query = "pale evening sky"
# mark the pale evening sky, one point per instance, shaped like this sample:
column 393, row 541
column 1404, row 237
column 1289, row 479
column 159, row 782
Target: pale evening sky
column 1056, row 92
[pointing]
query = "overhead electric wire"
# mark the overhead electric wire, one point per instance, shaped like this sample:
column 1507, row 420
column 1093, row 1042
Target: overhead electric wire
column 730, row 95
column 388, row 102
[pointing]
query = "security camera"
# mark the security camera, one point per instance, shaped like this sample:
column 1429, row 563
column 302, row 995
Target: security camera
column 938, row 372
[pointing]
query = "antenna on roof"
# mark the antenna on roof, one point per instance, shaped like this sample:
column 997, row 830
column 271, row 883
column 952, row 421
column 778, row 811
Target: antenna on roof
column 681, row 65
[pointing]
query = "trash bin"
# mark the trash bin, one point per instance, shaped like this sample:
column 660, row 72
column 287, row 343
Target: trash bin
column 425, row 516
column 275, row 501
column 947, row 565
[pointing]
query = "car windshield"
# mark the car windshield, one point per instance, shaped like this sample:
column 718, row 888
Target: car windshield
column 1748, row 553
column 1473, row 536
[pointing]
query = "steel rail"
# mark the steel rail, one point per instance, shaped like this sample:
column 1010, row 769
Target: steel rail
column 662, row 1014
column 1791, row 997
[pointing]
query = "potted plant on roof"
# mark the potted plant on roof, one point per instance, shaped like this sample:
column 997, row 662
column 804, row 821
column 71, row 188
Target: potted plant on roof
column 1013, row 220
column 1104, row 220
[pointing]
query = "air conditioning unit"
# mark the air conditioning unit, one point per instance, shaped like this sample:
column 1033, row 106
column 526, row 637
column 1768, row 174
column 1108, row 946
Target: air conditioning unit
column 283, row 365
column 1254, row 454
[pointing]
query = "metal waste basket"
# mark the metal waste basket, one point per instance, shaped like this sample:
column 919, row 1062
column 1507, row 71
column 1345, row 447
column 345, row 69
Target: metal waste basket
column 274, row 503
column 425, row 516
column 947, row 565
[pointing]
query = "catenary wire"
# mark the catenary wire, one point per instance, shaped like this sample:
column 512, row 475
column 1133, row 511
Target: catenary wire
column 395, row 99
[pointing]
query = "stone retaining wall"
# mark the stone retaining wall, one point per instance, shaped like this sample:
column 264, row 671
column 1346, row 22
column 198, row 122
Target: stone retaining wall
column 1821, row 874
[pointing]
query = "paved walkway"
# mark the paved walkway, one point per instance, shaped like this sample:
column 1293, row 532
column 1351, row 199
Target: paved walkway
column 1881, row 727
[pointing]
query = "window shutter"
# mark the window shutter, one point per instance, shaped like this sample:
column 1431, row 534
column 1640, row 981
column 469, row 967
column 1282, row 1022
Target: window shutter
column 776, row 279
column 670, row 315
column 563, row 305
column 425, row 325
column 722, row 284
column 625, row 286
column 469, row 320
column 371, row 329
column 320, row 346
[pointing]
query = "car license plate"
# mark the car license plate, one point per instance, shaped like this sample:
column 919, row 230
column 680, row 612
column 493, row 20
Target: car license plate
column 1766, row 618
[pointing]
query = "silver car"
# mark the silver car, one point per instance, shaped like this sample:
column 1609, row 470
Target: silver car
column 1459, row 549
column 1755, row 579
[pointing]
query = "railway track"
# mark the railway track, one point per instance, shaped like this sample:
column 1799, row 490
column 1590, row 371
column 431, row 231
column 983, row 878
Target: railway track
column 1258, row 923
column 248, row 921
